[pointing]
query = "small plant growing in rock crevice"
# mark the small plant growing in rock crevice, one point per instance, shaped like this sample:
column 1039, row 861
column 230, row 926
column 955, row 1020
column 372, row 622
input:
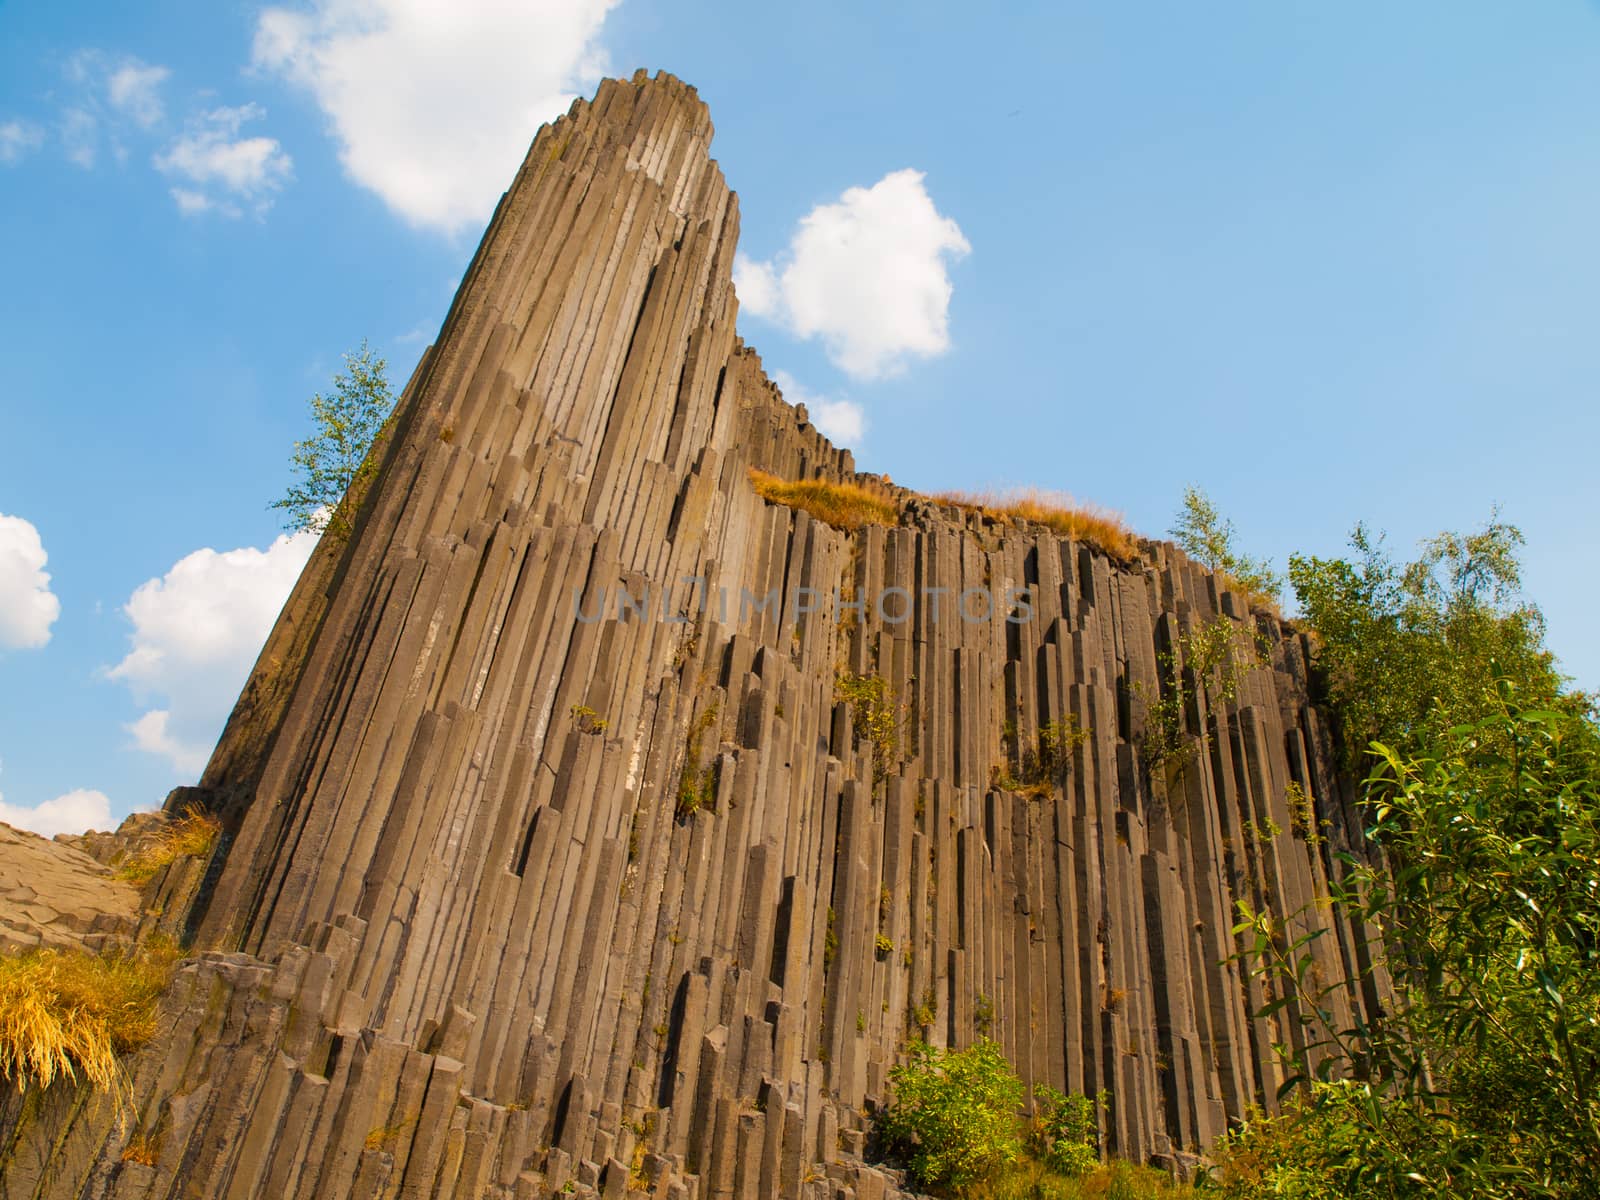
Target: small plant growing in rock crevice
column 1046, row 768
column 1212, row 654
column 874, row 716
column 587, row 720
column 983, row 1014
column 697, row 785
column 142, row 1148
column 1302, row 814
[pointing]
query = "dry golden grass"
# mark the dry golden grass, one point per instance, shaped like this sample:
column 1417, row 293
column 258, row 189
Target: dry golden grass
column 846, row 506
column 191, row 835
column 849, row 506
column 1099, row 527
column 387, row 1137
column 1258, row 600
column 71, row 1013
column 142, row 1149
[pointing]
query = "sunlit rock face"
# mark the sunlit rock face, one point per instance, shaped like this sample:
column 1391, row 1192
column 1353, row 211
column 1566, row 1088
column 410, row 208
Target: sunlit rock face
column 555, row 853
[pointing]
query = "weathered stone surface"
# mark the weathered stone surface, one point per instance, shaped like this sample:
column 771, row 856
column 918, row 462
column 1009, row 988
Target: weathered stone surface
column 528, row 882
column 52, row 894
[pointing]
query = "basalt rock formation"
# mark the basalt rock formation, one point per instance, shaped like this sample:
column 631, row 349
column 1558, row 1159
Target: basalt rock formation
column 555, row 860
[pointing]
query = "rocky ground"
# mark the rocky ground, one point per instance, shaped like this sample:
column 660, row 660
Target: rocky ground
column 55, row 893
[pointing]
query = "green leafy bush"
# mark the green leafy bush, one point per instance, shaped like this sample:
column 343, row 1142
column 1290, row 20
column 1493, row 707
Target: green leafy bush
column 1063, row 1134
column 1482, row 1080
column 954, row 1117
column 1405, row 649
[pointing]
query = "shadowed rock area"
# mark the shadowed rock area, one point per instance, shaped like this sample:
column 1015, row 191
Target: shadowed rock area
column 529, row 887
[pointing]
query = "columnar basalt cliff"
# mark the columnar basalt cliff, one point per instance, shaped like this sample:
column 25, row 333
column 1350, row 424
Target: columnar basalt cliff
column 527, row 886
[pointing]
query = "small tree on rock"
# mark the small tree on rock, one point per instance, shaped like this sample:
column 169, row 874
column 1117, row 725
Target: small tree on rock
column 1208, row 538
column 332, row 466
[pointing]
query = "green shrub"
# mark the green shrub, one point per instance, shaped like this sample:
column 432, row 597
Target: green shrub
column 1402, row 649
column 954, row 1114
column 1063, row 1134
column 1217, row 655
column 1044, row 770
column 1481, row 1079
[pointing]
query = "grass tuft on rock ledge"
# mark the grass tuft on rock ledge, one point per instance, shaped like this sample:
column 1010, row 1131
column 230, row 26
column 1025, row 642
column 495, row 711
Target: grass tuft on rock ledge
column 1091, row 524
column 72, row 1013
column 846, row 506
column 193, row 835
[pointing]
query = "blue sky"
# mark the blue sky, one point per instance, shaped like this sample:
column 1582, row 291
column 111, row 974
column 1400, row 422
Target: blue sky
column 1329, row 262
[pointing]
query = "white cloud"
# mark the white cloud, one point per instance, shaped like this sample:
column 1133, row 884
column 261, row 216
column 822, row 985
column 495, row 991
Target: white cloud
column 757, row 286
column 150, row 735
column 434, row 105
column 868, row 274
column 111, row 94
column 17, row 139
column 27, row 606
column 210, row 154
column 75, row 812
column 841, row 421
column 135, row 89
column 80, row 136
column 196, row 633
column 190, row 202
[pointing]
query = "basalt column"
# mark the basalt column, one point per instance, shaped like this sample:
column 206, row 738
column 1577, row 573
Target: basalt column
column 555, row 856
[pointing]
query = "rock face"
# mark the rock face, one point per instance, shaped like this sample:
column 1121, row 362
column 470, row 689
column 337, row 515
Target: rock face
column 552, row 856
column 55, row 895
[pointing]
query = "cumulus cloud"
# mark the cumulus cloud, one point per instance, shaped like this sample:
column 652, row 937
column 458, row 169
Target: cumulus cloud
column 111, row 95
column 27, row 605
column 196, row 633
column 841, row 421
column 134, row 88
column 75, row 812
column 150, row 735
column 868, row 274
column 80, row 137
column 17, row 139
column 191, row 202
column 219, row 170
column 433, row 106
